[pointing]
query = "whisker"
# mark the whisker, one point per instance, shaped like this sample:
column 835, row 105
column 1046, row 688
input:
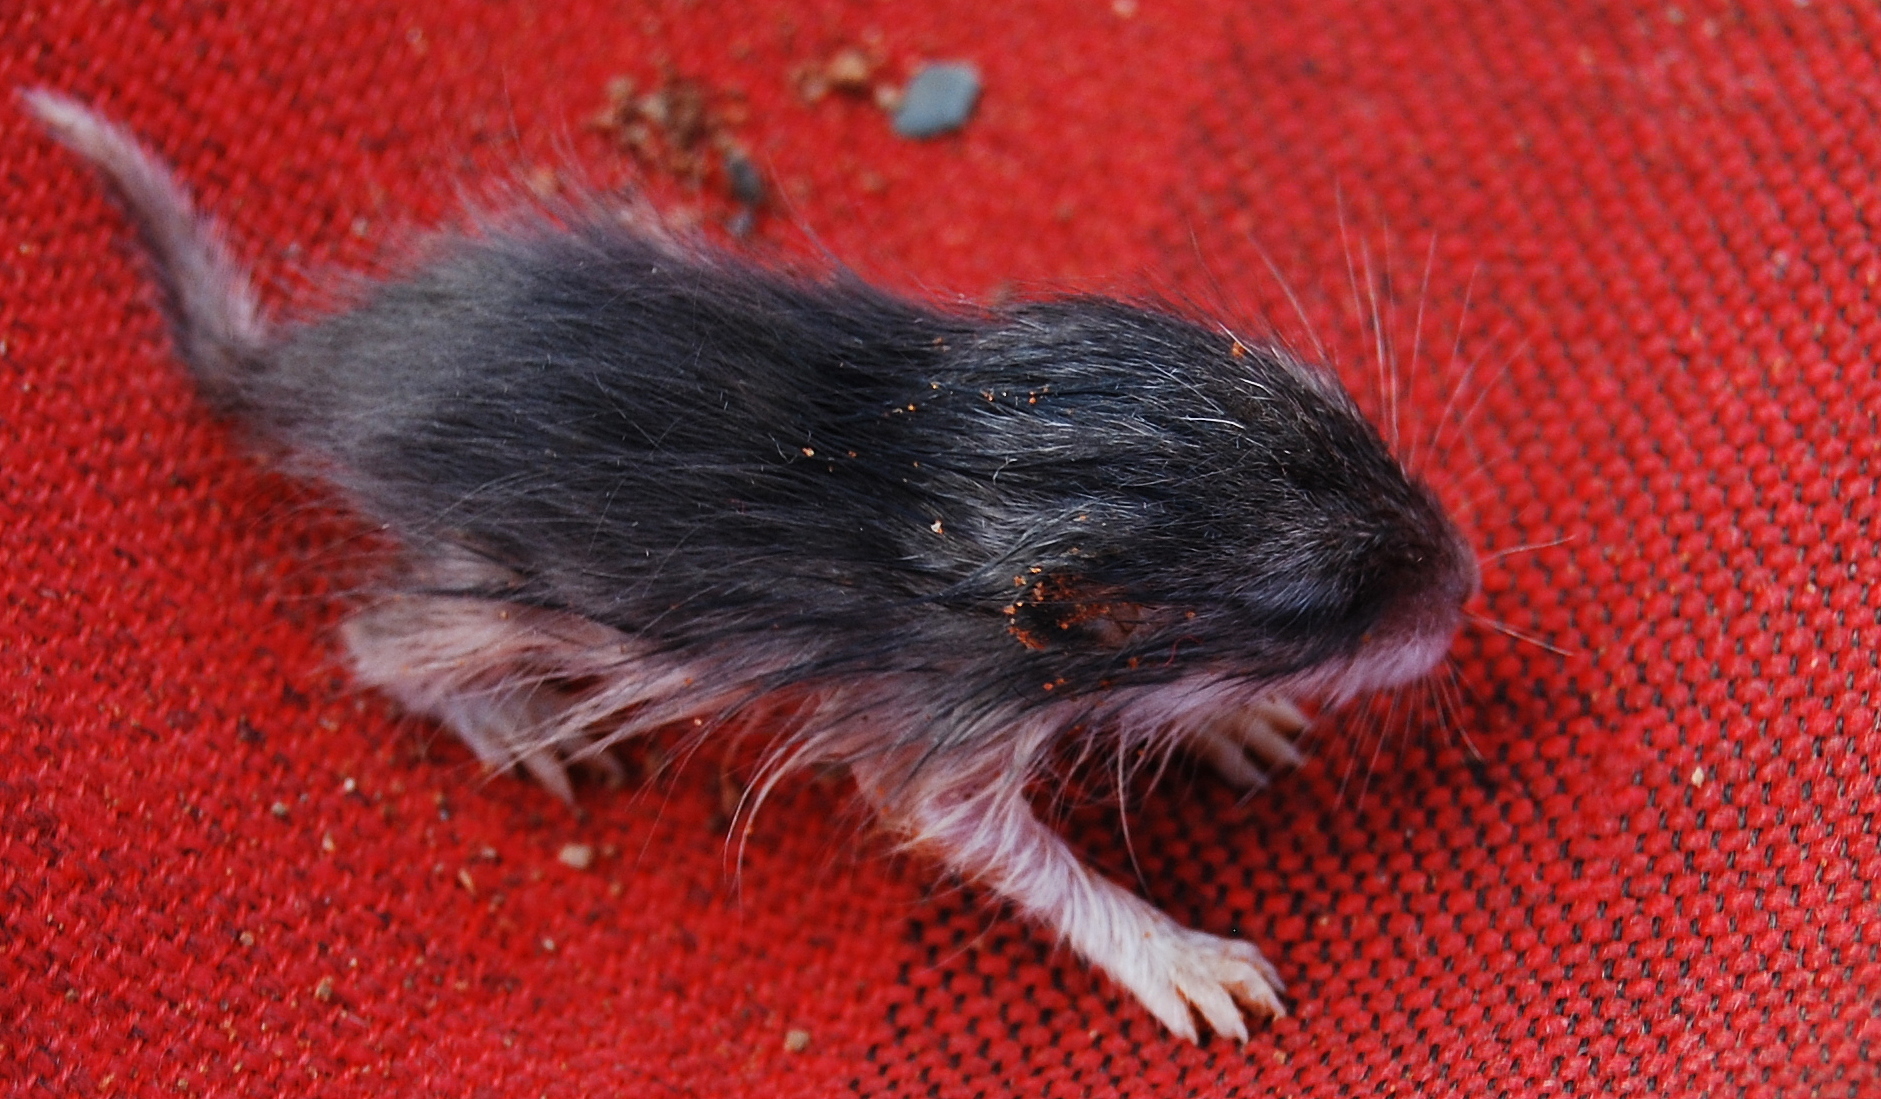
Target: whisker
column 1454, row 690
column 945, row 962
column 1354, row 727
column 1345, row 247
column 1501, row 553
column 1456, row 353
column 1463, row 381
column 1247, row 796
column 1417, row 332
column 1463, row 312
column 1123, row 818
column 1378, row 746
column 1468, row 696
column 1087, row 746
column 1208, row 272
column 1463, row 421
column 1286, row 287
column 1365, row 722
column 1388, row 285
column 1484, row 467
column 1381, row 327
column 1439, row 702
column 1505, row 628
column 1422, row 702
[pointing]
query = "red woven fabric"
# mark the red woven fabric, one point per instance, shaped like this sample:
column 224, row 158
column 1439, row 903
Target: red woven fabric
column 223, row 871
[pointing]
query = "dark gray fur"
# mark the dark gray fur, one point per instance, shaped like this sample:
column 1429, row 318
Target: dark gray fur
column 702, row 453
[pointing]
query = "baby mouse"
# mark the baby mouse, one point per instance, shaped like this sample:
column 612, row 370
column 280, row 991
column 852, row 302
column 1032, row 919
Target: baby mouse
column 638, row 482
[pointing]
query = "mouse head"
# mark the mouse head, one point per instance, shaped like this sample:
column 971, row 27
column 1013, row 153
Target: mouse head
column 1216, row 507
column 1351, row 562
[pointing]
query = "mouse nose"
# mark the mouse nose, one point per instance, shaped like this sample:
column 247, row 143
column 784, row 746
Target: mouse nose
column 1432, row 606
column 1469, row 572
column 1451, row 574
column 1416, row 628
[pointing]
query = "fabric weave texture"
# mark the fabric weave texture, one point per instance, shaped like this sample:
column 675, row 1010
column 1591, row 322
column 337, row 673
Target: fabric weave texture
column 1607, row 271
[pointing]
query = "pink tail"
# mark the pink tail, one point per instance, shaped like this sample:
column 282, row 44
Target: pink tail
column 208, row 297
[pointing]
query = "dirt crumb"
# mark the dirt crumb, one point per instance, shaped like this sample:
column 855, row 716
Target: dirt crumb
column 849, row 70
column 687, row 130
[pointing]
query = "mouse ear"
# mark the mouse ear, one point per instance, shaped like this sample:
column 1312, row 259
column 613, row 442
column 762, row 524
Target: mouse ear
column 1061, row 611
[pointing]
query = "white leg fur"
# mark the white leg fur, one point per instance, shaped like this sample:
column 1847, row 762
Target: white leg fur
column 982, row 825
column 488, row 670
column 524, row 686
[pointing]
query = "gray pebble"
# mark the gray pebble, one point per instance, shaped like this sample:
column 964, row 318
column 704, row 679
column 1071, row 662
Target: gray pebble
column 747, row 183
column 939, row 100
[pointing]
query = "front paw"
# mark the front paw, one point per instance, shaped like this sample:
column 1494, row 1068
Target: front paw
column 1192, row 973
column 1265, row 730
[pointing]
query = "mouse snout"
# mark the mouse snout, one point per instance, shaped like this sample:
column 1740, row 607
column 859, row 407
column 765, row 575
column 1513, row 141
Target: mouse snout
column 1463, row 577
column 1437, row 609
column 1432, row 612
column 1418, row 625
column 1445, row 577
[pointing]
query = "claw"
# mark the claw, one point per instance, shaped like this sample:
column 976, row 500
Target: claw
column 1198, row 974
column 1225, row 754
column 1264, row 729
column 547, row 769
column 1269, row 726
